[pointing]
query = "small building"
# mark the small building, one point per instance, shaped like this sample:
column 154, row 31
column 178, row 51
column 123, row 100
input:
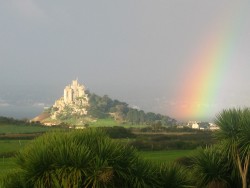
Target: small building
column 193, row 125
column 198, row 125
column 203, row 125
column 213, row 127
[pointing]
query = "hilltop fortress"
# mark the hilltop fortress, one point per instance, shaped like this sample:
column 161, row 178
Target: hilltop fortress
column 74, row 101
column 74, row 91
column 78, row 108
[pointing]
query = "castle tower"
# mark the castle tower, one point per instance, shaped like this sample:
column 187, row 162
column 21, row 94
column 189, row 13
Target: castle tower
column 73, row 91
column 68, row 95
column 74, row 84
column 74, row 97
column 65, row 94
column 81, row 91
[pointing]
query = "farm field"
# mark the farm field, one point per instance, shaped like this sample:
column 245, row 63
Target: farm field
column 12, row 145
column 165, row 156
column 111, row 123
column 104, row 123
column 9, row 148
column 15, row 137
column 20, row 129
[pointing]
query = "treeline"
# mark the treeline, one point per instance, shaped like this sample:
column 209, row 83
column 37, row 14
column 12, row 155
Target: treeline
column 104, row 107
column 8, row 120
column 12, row 121
column 157, row 142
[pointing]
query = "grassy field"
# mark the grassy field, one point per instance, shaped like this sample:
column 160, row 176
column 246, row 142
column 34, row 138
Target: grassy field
column 12, row 145
column 8, row 145
column 111, row 123
column 165, row 156
column 14, row 129
column 104, row 123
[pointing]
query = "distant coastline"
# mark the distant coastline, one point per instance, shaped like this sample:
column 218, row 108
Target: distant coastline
column 20, row 112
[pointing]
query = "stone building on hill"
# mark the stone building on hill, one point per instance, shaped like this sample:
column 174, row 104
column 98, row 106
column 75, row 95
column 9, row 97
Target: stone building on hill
column 73, row 91
column 74, row 101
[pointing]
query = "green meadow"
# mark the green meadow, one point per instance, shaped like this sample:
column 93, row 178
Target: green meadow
column 12, row 145
column 104, row 123
column 165, row 156
column 14, row 137
column 111, row 123
column 21, row 129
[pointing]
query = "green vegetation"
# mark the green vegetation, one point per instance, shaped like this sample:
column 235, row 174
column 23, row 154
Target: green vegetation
column 173, row 141
column 211, row 169
column 88, row 159
column 109, row 122
column 235, row 139
column 165, row 156
column 13, row 126
column 8, row 146
column 19, row 129
column 226, row 164
column 106, row 157
column 104, row 107
column 118, row 132
column 6, row 165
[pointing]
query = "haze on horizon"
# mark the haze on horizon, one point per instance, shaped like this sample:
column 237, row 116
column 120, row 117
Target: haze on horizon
column 133, row 51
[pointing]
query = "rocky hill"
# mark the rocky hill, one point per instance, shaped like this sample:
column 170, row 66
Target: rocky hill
column 78, row 106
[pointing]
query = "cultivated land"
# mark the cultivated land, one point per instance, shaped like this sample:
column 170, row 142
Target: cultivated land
column 21, row 129
column 155, row 146
column 7, row 146
column 165, row 156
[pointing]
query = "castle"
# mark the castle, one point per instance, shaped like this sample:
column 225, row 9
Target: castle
column 73, row 91
column 74, row 101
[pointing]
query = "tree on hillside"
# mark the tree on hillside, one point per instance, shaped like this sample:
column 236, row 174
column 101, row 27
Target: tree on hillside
column 234, row 134
column 103, row 107
column 142, row 116
column 133, row 116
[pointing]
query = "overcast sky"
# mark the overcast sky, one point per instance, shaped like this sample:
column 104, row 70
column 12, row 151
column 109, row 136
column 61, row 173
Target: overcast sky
column 135, row 51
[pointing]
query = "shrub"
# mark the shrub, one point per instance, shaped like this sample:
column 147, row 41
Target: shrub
column 85, row 158
column 11, row 179
column 118, row 132
column 88, row 158
column 211, row 168
column 174, row 176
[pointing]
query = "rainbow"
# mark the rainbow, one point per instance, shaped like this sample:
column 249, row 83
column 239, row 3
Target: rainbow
column 208, row 67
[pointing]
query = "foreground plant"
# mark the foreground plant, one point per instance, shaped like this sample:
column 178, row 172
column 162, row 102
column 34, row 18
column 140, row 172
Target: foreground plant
column 211, row 168
column 235, row 136
column 85, row 158
column 175, row 176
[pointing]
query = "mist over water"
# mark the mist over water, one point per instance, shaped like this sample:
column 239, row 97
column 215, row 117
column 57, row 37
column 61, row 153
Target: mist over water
column 20, row 112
